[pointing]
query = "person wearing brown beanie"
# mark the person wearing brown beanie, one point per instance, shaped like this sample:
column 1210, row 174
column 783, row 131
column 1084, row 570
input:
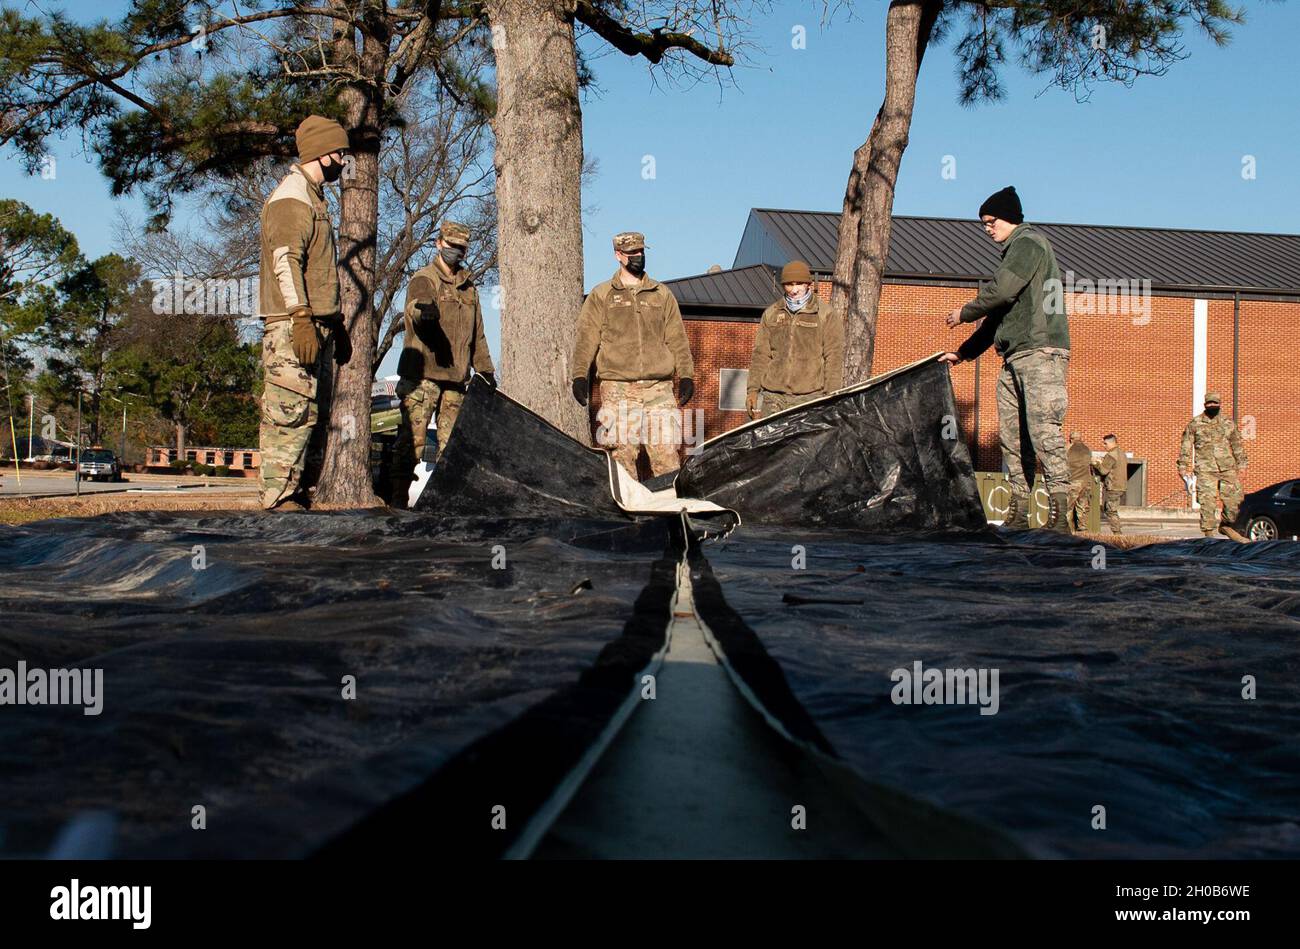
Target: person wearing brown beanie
column 798, row 348
column 299, row 305
column 1023, row 318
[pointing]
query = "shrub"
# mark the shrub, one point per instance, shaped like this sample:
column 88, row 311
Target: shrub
column 221, row 471
column 201, row 469
column 179, row 465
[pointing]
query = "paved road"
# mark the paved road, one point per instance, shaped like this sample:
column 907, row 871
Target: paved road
column 51, row 483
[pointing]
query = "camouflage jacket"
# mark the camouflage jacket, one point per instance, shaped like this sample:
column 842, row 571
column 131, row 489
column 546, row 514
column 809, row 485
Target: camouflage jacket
column 634, row 333
column 298, row 261
column 443, row 324
column 1213, row 443
column 798, row 353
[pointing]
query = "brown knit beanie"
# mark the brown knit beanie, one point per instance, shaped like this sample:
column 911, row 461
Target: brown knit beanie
column 796, row 271
column 319, row 136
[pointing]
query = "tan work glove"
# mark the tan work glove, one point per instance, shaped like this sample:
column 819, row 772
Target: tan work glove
column 751, row 403
column 306, row 337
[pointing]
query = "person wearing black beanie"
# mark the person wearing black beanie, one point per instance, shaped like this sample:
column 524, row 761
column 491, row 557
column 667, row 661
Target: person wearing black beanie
column 1004, row 204
column 1023, row 316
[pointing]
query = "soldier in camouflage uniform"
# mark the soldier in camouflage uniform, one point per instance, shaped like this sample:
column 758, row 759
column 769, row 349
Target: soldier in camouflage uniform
column 798, row 348
column 1079, row 459
column 1212, row 446
column 443, row 339
column 1112, row 468
column 1024, row 319
column 631, row 325
column 299, row 304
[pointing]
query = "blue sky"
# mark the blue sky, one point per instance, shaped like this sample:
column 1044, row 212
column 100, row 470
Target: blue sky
column 1167, row 152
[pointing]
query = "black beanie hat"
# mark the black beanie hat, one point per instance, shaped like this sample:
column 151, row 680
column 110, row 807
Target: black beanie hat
column 1004, row 204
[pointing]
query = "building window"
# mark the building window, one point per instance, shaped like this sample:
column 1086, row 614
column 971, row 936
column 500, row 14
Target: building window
column 731, row 389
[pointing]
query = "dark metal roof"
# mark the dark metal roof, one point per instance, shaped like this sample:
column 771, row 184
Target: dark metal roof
column 958, row 249
column 744, row 287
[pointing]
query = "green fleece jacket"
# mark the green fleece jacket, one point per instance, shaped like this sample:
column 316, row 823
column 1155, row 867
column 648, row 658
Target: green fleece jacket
column 1023, row 306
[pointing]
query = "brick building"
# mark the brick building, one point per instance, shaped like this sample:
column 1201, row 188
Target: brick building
column 1199, row 311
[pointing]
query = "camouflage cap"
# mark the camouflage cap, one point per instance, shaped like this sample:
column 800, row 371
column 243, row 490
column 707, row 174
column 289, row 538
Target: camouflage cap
column 1212, row 398
column 454, row 233
column 629, row 240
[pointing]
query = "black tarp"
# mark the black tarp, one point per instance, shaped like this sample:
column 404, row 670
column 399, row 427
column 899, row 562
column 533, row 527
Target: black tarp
column 223, row 686
column 1120, row 683
column 503, row 458
column 885, row 455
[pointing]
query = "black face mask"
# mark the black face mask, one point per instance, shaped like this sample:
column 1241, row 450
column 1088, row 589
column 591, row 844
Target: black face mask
column 452, row 255
column 1211, row 410
column 332, row 172
column 636, row 264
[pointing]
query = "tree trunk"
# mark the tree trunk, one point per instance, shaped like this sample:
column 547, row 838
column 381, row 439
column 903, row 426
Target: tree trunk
column 869, row 197
column 345, row 480
column 538, row 129
column 94, row 418
column 180, row 440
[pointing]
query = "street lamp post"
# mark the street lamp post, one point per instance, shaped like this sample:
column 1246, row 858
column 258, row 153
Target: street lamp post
column 125, row 396
column 76, row 465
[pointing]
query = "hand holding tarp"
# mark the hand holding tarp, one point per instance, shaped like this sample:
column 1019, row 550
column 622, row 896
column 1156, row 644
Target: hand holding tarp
column 581, row 390
column 685, row 391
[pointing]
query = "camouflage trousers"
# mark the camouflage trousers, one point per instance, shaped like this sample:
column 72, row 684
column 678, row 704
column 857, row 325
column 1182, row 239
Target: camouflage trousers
column 1215, row 486
column 636, row 415
column 291, row 397
column 1110, row 508
column 420, row 400
column 773, row 402
column 1079, row 503
column 1031, row 401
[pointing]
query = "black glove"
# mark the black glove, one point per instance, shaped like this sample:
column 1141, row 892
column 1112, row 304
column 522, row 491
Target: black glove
column 581, row 390
column 685, row 391
column 342, row 344
column 490, row 378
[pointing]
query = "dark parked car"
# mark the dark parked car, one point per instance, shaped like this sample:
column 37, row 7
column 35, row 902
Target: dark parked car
column 1271, row 513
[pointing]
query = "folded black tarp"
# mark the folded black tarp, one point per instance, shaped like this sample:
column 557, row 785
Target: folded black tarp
column 884, row 455
column 1120, row 684
column 504, row 460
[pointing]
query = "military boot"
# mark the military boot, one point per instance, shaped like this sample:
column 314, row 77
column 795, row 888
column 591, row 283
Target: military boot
column 1017, row 516
column 1058, row 514
column 1227, row 530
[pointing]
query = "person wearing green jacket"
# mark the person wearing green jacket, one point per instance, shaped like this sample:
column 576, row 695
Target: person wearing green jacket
column 1023, row 318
